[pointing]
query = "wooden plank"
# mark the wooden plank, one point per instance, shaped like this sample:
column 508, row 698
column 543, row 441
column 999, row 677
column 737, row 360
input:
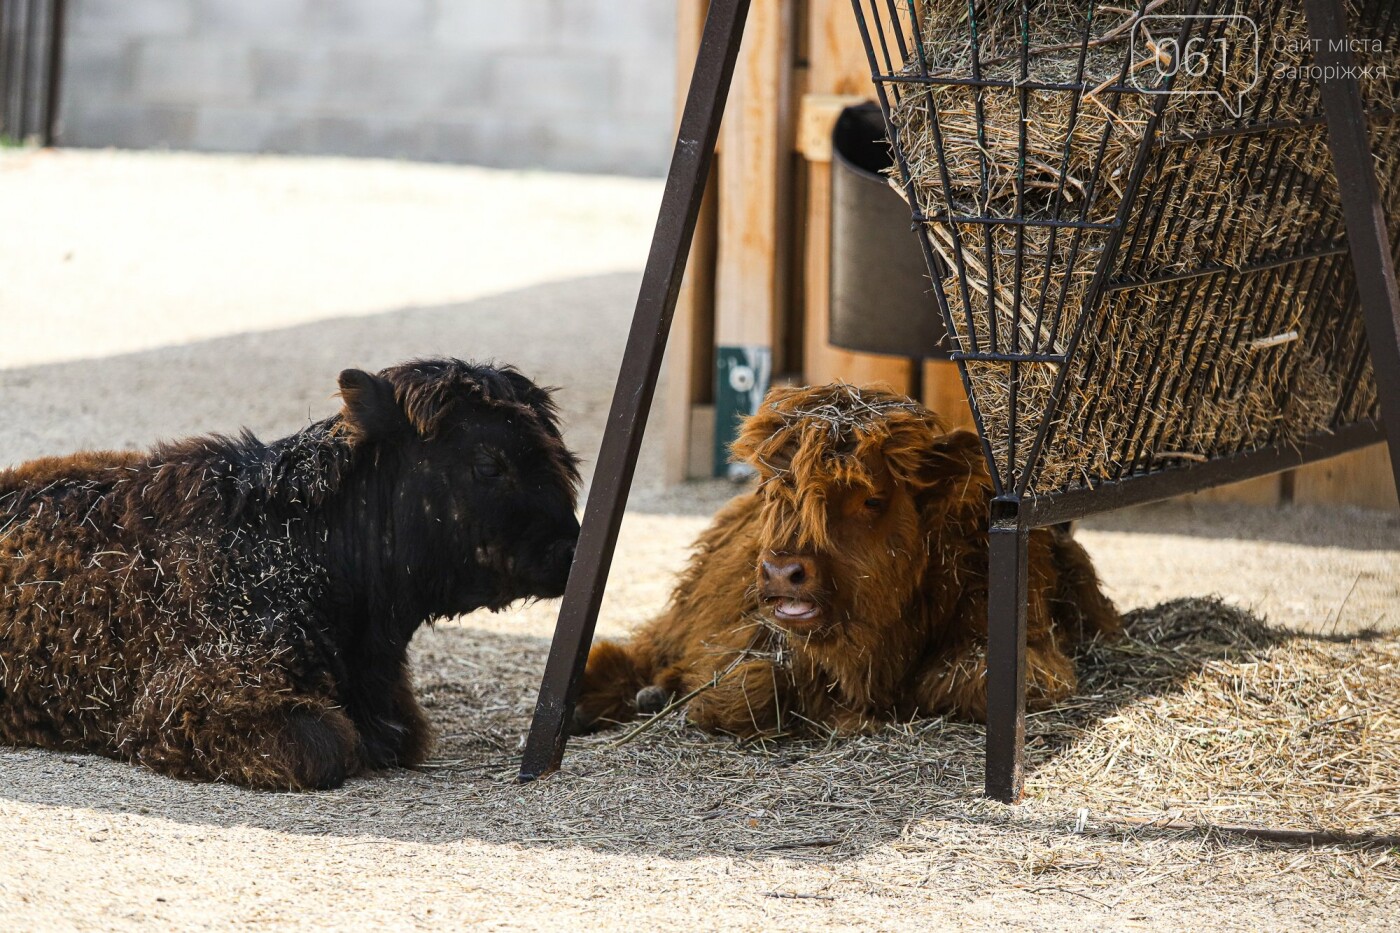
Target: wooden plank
column 1262, row 490
column 795, row 320
column 753, row 260
column 943, row 392
column 690, row 350
column 816, row 116
column 690, row 353
column 1361, row 478
column 836, row 53
column 754, row 182
column 698, row 289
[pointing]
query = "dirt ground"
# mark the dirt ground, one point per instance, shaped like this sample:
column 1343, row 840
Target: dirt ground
column 145, row 296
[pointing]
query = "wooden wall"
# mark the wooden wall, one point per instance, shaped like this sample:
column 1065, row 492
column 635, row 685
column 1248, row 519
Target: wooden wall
column 758, row 274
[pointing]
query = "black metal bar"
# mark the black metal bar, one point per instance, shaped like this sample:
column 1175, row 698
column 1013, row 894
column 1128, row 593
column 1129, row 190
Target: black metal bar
column 911, row 196
column 1028, row 357
column 1380, row 114
column 1063, row 174
column 1008, row 541
column 32, row 102
column 898, row 33
column 636, row 384
column 984, row 197
column 1110, row 249
column 31, row 39
column 945, row 217
column 1345, row 282
column 1371, row 258
column 4, row 69
column 16, row 53
column 1201, row 272
column 1019, row 259
column 1194, row 477
column 1143, row 408
column 943, row 81
column 1220, row 209
column 1275, row 318
column 1105, row 265
column 1155, row 211
column 58, row 21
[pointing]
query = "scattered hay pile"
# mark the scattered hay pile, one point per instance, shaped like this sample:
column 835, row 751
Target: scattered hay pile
column 1200, row 714
column 1219, row 719
column 1214, row 365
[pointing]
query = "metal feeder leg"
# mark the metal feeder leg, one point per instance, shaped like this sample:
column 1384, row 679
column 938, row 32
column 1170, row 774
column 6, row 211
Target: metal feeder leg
column 1371, row 257
column 1008, row 542
column 636, row 383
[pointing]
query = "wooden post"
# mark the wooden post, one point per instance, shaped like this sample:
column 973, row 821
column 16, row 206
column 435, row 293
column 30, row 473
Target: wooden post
column 944, row 393
column 1368, row 239
column 755, row 193
column 1361, row 478
column 690, row 354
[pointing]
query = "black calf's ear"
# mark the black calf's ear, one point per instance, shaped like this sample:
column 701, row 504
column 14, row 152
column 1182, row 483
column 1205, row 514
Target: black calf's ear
column 370, row 411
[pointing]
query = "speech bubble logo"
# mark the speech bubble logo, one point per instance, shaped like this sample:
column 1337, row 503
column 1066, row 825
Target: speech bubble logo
column 1196, row 55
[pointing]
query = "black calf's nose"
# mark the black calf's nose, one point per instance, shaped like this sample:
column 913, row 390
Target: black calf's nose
column 554, row 569
column 563, row 552
column 785, row 570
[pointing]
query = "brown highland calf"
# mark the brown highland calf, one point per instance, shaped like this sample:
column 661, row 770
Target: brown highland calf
column 849, row 588
column 225, row 609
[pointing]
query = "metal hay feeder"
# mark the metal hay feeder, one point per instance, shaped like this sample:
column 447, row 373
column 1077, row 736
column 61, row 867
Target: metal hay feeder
column 1120, row 342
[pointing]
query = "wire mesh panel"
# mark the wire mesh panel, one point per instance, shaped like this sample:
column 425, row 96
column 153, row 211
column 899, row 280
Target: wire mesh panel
column 1144, row 258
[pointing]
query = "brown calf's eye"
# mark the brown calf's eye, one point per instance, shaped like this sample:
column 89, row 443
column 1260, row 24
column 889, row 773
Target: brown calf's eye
column 874, row 503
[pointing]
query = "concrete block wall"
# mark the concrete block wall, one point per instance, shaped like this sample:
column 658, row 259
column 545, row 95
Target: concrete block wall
column 569, row 84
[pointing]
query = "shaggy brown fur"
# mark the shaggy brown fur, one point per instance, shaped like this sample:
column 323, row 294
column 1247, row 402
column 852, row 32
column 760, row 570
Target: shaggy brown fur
column 850, row 587
column 225, row 609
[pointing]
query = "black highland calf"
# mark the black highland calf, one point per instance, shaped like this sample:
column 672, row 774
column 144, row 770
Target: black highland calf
column 227, row 609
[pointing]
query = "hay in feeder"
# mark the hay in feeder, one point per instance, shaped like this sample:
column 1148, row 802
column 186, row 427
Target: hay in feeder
column 1164, row 370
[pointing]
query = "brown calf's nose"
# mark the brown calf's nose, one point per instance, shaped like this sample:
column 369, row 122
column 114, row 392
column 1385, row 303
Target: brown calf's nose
column 790, row 571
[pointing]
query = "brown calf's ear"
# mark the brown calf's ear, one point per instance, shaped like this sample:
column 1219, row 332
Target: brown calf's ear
column 371, row 412
column 955, row 464
column 765, row 436
column 959, row 452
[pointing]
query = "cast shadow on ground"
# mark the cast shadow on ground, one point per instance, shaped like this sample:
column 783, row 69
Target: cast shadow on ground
column 567, row 333
column 672, row 792
column 1303, row 525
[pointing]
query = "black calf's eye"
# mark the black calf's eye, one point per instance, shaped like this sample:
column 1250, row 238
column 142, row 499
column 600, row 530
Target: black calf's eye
column 486, row 469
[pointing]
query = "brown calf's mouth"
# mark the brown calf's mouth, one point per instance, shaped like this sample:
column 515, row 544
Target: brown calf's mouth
column 796, row 609
column 794, row 612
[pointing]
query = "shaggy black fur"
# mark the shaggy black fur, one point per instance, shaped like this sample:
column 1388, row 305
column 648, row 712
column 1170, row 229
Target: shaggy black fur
column 228, row 609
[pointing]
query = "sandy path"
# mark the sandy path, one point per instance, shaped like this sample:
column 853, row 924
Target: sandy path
column 158, row 295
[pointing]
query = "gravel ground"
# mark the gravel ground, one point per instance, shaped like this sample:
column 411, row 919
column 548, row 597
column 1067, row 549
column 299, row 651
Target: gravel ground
column 147, row 296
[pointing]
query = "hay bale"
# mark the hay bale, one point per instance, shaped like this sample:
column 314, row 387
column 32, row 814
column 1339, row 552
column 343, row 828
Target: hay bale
column 1163, row 371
